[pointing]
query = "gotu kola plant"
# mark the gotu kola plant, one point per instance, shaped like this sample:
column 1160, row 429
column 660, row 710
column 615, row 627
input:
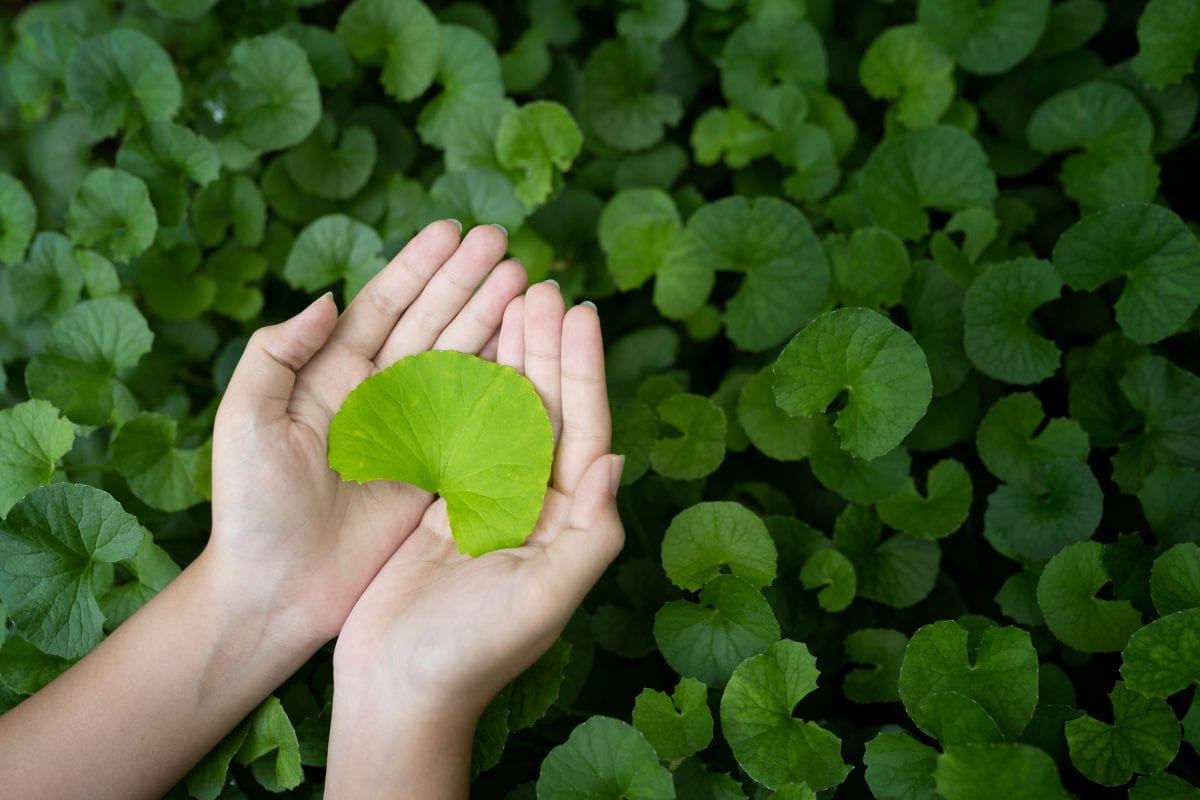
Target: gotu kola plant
column 901, row 308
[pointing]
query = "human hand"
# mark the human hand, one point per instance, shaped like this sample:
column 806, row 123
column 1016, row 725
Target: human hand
column 438, row 634
column 289, row 536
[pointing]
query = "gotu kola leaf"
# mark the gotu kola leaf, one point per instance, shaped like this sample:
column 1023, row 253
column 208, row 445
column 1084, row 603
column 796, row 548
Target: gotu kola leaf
column 708, row 536
column 986, row 771
column 905, row 65
column 49, row 545
column 33, row 436
column 539, row 141
column 18, row 219
column 278, row 101
column 470, row 430
column 677, row 725
column 756, row 715
column 1066, row 593
column 860, row 352
column 403, row 35
column 996, row 310
column 122, row 77
column 604, row 759
column 1143, row 738
column 112, row 210
column 1164, row 657
column 1148, row 246
column 1168, row 35
column 986, row 37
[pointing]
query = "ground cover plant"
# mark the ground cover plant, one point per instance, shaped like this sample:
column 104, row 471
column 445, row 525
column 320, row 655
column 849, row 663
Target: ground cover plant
column 901, row 309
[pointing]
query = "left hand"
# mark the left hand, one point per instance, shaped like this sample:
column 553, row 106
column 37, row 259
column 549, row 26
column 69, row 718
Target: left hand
column 293, row 545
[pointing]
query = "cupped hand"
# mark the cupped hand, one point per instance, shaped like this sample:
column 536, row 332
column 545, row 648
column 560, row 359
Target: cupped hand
column 441, row 630
column 288, row 534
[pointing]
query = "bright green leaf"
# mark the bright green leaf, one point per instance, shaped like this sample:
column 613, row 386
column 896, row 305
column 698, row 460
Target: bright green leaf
column 491, row 468
column 766, row 67
column 333, row 165
column 166, row 156
column 636, row 230
column 540, row 141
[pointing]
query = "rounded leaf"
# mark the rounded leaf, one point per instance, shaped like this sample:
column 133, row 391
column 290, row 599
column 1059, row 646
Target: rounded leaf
column 862, row 353
column 604, row 759
column 1152, row 250
column 701, row 448
column 1066, row 593
column 333, row 169
column 160, row 474
column 987, row 38
column 1001, row 675
column 940, row 511
column 772, row 430
column 1037, row 519
column 708, row 536
column 766, row 67
column 278, row 102
column 123, row 77
column 403, row 34
column 50, row 543
column 1175, row 579
column 1168, row 33
column 470, row 430
column 756, row 716
column 707, row 640
column 1164, row 657
column 112, row 212
column 904, row 64
column 329, row 249
column 1143, row 738
column 996, row 311
column 618, row 101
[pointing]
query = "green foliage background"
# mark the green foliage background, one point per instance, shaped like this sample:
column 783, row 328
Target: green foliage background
column 900, row 300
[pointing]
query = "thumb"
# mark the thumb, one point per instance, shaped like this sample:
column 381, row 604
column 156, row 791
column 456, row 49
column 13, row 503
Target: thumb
column 265, row 374
column 578, row 556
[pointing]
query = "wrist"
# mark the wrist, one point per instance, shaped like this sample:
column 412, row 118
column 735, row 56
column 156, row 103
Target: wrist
column 258, row 606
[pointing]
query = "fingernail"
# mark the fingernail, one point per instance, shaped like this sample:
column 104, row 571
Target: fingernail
column 503, row 229
column 321, row 299
column 616, row 467
column 552, row 282
column 590, row 305
column 457, row 224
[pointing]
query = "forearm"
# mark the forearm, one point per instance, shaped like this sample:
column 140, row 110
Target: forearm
column 383, row 746
column 137, row 712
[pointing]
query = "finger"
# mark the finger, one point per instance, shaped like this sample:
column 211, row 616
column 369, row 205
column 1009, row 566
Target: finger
column 587, row 424
column 577, row 557
column 489, row 350
column 543, row 347
column 510, row 347
column 262, row 382
column 480, row 319
column 370, row 318
column 445, row 295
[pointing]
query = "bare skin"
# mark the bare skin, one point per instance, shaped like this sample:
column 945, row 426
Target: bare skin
column 293, row 548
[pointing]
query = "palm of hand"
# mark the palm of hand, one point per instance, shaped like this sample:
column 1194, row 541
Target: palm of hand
column 460, row 628
column 281, row 518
